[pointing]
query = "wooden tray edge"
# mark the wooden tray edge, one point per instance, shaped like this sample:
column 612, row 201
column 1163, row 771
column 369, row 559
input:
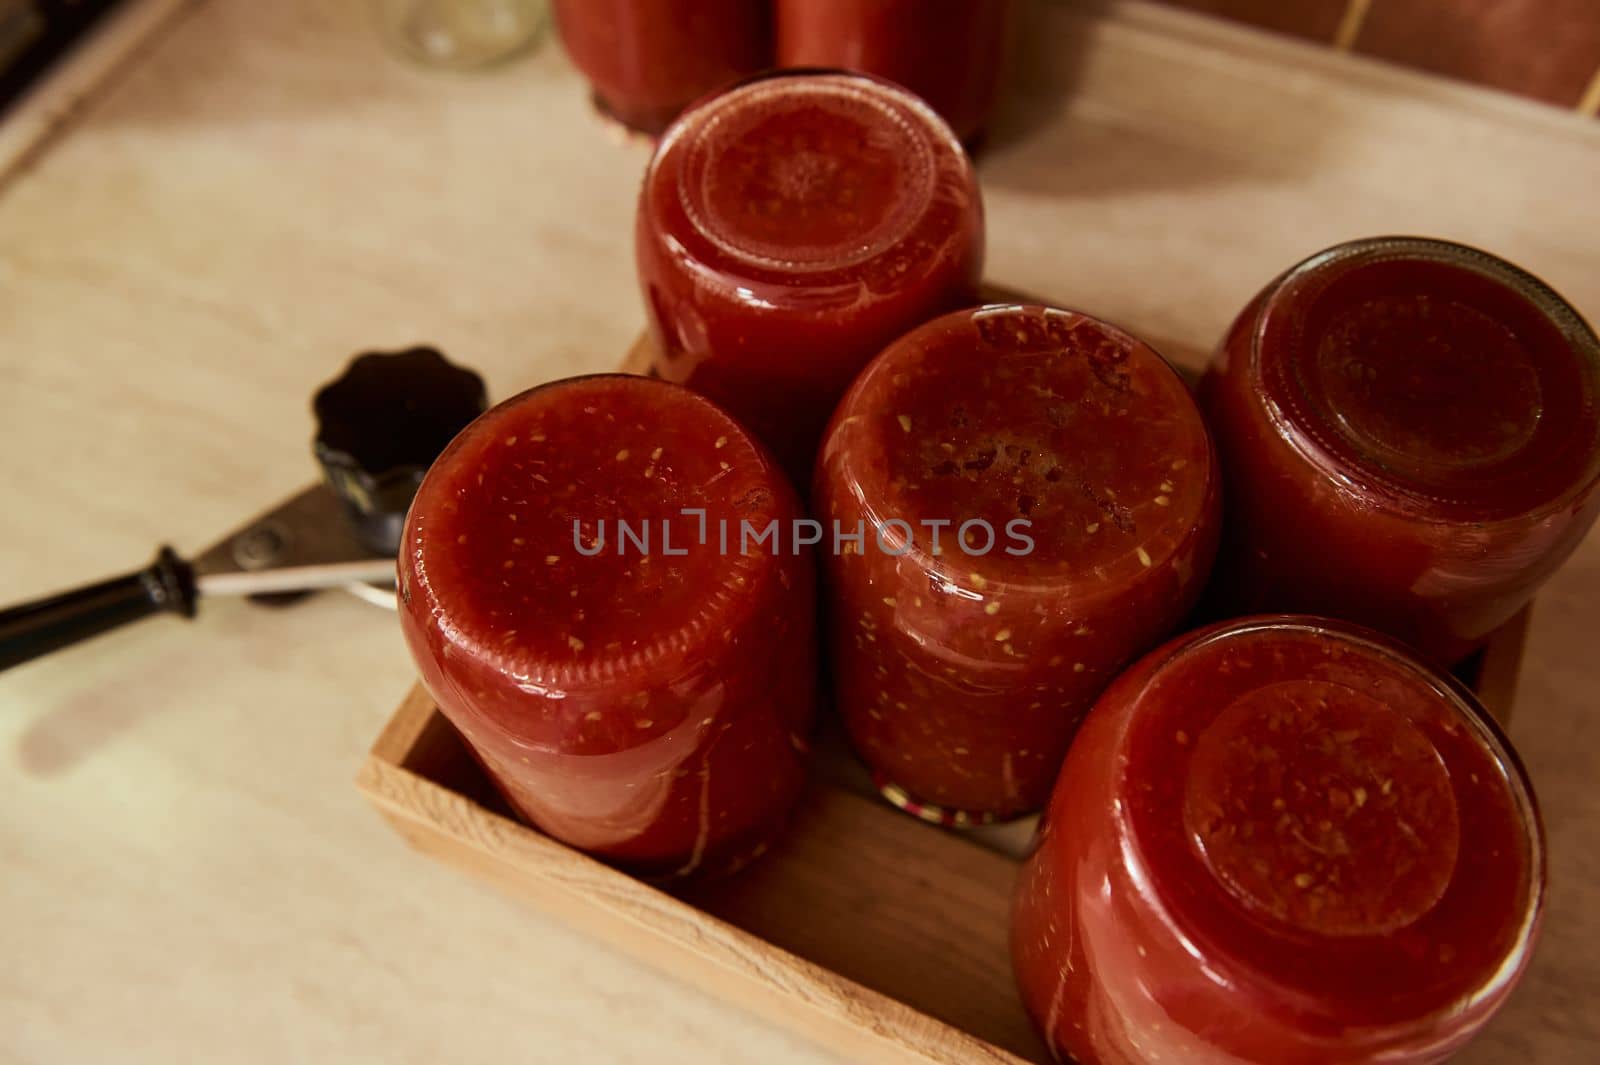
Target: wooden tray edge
column 648, row 923
column 1499, row 666
column 404, row 727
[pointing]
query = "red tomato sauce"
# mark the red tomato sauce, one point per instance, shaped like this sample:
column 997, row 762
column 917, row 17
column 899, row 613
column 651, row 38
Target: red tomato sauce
column 1279, row 839
column 962, row 672
column 791, row 228
column 646, row 697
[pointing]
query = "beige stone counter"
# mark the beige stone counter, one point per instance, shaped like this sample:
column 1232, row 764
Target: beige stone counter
column 186, row 872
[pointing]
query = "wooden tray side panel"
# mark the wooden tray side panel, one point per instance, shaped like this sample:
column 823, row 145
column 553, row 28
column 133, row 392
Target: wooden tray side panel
column 1499, row 667
column 917, row 914
column 667, row 933
column 853, row 886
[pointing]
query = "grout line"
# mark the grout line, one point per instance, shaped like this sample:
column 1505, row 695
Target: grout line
column 1589, row 102
column 1355, row 16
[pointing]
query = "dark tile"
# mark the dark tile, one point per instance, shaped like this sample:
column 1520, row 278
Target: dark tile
column 1547, row 49
column 1315, row 20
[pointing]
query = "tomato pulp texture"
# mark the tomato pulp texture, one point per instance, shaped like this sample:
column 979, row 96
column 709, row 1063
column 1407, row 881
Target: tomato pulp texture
column 645, row 699
column 962, row 668
column 1410, row 434
column 948, row 53
column 647, row 60
column 791, row 228
column 1279, row 839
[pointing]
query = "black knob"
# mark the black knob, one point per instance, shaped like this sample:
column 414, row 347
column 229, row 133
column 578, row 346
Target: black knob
column 381, row 424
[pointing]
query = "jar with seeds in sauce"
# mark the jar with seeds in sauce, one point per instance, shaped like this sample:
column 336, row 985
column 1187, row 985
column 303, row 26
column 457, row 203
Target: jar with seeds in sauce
column 636, row 676
column 1279, row 839
column 1037, row 500
column 788, row 230
column 1411, row 435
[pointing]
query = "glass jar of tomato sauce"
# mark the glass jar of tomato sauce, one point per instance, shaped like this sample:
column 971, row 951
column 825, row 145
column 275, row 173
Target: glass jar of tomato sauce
column 1033, row 502
column 638, row 681
column 1279, row 839
column 1411, row 439
column 948, row 52
column 788, row 230
column 649, row 59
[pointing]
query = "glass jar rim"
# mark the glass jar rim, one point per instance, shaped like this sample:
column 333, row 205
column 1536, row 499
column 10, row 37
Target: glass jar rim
column 920, row 127
column 953, row 569
column 1341, row 460
column 663, row 649
column 1466, row 708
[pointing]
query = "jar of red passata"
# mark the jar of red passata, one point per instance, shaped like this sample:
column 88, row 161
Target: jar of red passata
column 948, row 52
column 637, row 680
column 1279, row 839
column 1411, row 439
column 649, row 59
column 1035, row 502
column 791, row 228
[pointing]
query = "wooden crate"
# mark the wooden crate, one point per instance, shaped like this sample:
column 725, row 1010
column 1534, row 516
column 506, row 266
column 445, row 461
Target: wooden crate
column 879, row 936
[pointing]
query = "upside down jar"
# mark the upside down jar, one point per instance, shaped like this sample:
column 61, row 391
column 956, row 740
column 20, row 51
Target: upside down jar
column 1032, row 501
column 788, row 230
column 646, row 60
column 636, row 682
column 949, row 52
column 1279, row 839
column 1410, row 431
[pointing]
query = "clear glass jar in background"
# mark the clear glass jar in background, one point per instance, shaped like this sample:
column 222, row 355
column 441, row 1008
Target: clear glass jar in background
column 460, row 34
column 1280, row 839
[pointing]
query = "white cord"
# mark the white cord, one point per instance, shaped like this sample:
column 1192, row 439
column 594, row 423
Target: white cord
column 370, row 593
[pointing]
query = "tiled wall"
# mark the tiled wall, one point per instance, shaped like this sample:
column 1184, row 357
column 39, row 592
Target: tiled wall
column 1546, row 49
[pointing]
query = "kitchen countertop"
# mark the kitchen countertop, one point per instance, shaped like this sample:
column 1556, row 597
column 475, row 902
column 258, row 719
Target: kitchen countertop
column 186, row 872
